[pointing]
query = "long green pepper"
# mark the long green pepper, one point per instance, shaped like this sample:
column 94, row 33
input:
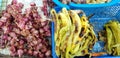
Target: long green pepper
column 115, row 28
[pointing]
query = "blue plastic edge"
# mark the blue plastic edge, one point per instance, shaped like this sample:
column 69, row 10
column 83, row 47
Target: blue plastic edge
column 53, row 46
column 58, row 8
column 52, row 38
column 107, row 57
column 60, row 4
column 73, row 5
column 93, row 5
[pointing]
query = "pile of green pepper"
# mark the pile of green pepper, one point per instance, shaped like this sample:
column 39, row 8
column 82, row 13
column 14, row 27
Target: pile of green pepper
column 112, row 31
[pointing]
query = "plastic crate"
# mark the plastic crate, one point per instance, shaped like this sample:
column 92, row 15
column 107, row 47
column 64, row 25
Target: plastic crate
column 112, row 2
column 101, row 16
column 58, row 3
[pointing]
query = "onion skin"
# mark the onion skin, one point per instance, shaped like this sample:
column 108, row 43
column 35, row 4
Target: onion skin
column 48, row 53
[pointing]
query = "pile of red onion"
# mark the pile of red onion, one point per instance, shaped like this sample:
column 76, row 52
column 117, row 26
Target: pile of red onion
column 24, row 33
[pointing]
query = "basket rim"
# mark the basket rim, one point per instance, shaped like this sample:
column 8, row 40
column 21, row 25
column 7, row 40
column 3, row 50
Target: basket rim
column 58, row 3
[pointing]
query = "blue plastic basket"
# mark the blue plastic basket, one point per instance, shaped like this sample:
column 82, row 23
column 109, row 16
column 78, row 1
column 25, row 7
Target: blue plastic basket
column 93, row 5
column 58, row 3
column 101, row 16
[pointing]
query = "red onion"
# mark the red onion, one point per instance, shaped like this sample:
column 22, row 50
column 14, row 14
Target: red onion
column 41, row 30
column 35, row 42
column 7, row 15
column 48, row 33
column 43, row 23
column 28, row 11
column 9, row 38
column 12, row 41
column 25, row 19
column 4, row 11
column 32, row 4
column 50, row 3
column 21, row 42
column 39, row 46
column 48, row 53
column 2, row 42
column 20, row 52
column 21, row 25
column 39, row 40
column 32, row 44
column 35, row 15
column 1, row 23
column 41, row 55
column 16, row 30
column 5, row 29
column 20, row 5
column 35, row 53
column 44, row 49
column 12, row 34
column 46, row 28
column 28, row 25
column 14, row 1
column 82, row 1
column 5, row 37
column 44, row 8
column 12, row 48
column 17, row 44
column 21, row 46
column 13, row 53
column 25, row 50
column 3, row 19
column 2, row 46
column 30, row 52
